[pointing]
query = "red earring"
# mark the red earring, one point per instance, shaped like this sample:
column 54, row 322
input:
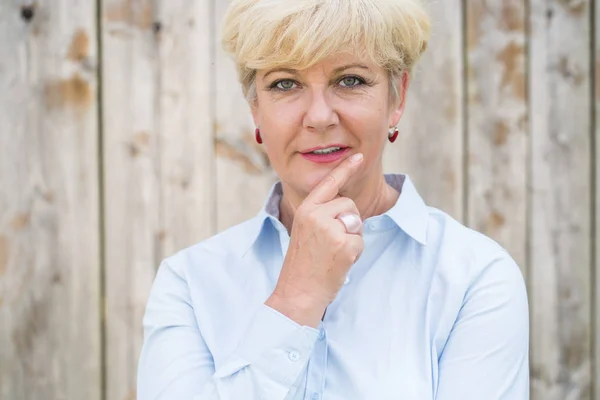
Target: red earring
column 393, row 135
column 257, row 134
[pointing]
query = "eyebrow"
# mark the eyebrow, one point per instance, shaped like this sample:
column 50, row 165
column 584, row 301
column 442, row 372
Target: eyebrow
column 355, row 65
column 335, row 71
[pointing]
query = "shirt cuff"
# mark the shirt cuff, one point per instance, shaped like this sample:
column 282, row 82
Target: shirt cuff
column 277, row 345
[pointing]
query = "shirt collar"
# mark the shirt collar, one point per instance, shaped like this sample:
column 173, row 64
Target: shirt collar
column 410, row 212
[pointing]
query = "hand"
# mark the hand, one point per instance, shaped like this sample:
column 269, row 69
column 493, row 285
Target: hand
column 321, row 252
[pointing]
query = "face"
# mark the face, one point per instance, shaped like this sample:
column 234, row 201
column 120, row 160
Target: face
column 341, row 106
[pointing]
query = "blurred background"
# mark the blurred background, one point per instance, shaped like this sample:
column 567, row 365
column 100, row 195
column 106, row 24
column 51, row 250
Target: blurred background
column 124, row 137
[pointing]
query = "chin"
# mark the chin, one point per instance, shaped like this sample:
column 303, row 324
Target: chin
column 305, row 182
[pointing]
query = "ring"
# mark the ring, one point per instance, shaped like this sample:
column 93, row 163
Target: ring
column 351, row 221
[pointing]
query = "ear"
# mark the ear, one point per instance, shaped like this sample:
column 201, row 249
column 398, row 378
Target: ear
column 398, row 106
column 255, row 113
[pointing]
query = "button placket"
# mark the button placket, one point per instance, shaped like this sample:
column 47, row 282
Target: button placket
column 317, row 367
column 322, row 334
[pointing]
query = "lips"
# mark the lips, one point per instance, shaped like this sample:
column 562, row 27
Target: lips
column 323, row 155
column 323, row 149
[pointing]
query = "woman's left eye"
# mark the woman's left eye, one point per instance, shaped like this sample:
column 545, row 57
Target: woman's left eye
column 350, row 81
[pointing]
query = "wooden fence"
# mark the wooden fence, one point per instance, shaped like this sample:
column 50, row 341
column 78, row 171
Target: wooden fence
column 124, row 137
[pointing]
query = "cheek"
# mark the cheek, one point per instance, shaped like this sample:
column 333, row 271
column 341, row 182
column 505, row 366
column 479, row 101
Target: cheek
column 277, row 124
column 280, row 117
column 368, row 124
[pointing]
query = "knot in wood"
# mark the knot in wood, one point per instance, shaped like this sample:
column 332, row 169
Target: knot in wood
column 27, row 12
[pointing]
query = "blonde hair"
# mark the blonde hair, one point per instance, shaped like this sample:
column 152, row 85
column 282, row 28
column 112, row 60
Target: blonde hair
column 266, row 34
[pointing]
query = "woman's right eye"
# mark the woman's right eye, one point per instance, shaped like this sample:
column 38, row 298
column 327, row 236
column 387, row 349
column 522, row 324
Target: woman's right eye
column 283, row 85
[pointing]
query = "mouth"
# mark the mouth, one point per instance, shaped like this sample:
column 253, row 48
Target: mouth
column 328, row 154
column 326, row 150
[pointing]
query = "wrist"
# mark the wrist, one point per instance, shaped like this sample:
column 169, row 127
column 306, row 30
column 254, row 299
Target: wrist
column 302, row 309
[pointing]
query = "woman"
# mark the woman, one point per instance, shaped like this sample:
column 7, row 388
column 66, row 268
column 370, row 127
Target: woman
column 346, row 285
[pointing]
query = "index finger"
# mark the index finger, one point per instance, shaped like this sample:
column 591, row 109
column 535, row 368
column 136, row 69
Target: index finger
column 330, row 186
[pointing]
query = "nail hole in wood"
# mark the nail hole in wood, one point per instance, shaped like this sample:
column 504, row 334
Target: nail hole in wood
column 27, row 12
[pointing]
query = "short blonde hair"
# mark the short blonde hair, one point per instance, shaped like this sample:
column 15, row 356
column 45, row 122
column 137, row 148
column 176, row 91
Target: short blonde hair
column 265, row 34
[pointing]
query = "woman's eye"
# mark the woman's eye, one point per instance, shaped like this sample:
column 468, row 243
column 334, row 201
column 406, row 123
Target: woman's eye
column 285, row 84
column 350, row 81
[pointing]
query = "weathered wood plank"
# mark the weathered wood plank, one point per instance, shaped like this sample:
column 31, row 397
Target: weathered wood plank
column 131, row 183
column 49, row 208
column 497, row 123
column 596, row 234
column 430, row 145
column 242, row 167
column 560, row 246
column 158, row 157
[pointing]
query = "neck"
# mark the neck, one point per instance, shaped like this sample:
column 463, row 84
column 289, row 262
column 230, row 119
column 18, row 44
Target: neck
column 372, row 196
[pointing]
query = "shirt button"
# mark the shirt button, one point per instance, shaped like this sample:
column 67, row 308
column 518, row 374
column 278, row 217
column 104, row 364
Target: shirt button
column 347, row 280
column 322, row 334
column 293, row 356
column 315, row 396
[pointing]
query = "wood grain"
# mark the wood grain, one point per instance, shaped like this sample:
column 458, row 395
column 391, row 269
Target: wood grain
column 497, row 123
column 596, row 207
column 158, row 158
column 49, row 208
column 560, row 213
column 430, row 145
column 243, row 172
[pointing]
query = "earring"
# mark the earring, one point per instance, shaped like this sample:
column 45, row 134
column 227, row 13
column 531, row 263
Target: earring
column 393, row 134
column 257, row 134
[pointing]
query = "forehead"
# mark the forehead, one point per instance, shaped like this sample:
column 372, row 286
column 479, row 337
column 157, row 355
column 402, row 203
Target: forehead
column 330, row 65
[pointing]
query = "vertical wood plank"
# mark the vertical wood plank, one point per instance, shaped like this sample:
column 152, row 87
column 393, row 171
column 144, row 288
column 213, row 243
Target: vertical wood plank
column 242, row 167
column 186, row 137
column 158, row 157
column 560, row 246
column 596, row 206
column 49, row 201
column 430, row 145
column 131, row 183
column 497, row 123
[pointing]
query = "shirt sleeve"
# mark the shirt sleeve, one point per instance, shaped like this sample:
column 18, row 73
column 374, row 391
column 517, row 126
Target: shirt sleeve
column 175, row 362
column 486, row 355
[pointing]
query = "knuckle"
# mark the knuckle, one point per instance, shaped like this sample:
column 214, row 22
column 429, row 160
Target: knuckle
column 349, row 204
column 338, row 241
column 357, row 246
column 330, row 180
column 360, row 248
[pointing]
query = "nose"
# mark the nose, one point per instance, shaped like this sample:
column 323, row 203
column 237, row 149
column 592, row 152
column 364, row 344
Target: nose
column 320, row 115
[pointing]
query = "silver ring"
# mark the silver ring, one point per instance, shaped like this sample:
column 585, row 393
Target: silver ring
column 351, row 221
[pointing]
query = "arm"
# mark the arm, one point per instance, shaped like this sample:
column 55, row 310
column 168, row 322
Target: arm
column 176, row 363
column 486, row 355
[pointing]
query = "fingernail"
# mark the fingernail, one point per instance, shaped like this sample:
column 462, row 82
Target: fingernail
column 356, row 158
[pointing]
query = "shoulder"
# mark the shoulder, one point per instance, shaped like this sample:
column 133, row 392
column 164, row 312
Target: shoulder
column 231, row 243
column 471, row 275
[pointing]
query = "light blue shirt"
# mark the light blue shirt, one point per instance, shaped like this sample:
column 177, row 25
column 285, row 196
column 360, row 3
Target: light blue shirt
column 431, row 310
